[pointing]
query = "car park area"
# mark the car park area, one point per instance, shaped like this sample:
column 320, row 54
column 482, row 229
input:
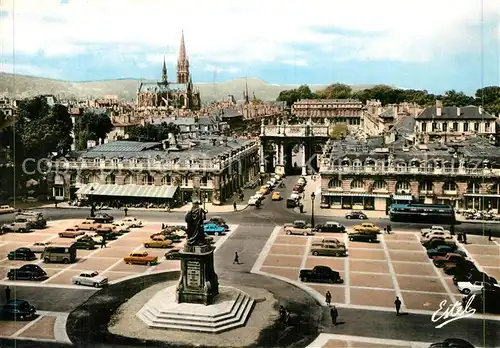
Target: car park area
column 107, row 261
column 375, row 273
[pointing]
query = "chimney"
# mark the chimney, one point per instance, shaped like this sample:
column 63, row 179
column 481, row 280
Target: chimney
column 480, row 110
column 458, row 111
column 91, row 144
column 100, row 141
column 439, row 107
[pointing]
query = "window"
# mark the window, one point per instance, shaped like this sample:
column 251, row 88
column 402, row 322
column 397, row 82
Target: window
column 455, row 126
column 425, row 186
column 450, row 186
column 473, row 187
column 72, row 179
column 97, row 161
column 130, row 180
column 357, row 185
column 186, row 180
column 335, row 183
column 111, row 179
column 466, row 127
column 403, row 186
column 115, row 161
column 445, row 127
column 380, row 185
column 487, row 126
column 424, row 127
column 166, row 180
column 58, row 191
column 476, row 127
column 204, row 181
column 434, row 126
column 147, row 180
column 93, row 179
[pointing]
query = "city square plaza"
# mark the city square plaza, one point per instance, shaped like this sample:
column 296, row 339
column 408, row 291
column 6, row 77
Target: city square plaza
column 375, row 273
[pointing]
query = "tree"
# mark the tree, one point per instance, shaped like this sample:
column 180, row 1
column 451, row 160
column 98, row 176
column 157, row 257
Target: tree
column 292, row 95
column 91, row 126
column 454, row 98
column 336, row 91
column 489, row 97
column 154, row 132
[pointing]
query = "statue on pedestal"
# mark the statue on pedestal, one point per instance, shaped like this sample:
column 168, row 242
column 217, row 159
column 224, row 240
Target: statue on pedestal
column 194, row 220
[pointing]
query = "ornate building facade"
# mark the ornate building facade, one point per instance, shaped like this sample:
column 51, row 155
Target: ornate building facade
column 371, row 175
column 180, row 94
column 166, row 172
column 347, row 111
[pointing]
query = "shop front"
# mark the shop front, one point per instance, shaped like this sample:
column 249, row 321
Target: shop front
column 482, row 202
column 356, row 201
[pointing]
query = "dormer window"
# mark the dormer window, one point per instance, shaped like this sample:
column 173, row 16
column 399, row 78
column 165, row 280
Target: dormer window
column 115, row 161
column 97, row 161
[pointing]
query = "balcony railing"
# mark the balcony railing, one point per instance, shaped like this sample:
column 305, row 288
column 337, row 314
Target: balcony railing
column 296, row 130
column 367, row 169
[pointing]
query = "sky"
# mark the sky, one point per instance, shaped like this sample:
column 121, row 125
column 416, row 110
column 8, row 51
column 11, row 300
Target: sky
column 435, row 45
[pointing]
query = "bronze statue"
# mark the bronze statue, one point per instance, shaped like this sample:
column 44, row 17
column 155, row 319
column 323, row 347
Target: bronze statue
column 195, row 219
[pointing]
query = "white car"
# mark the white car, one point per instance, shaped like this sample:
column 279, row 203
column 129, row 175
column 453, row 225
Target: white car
column 131, row 222
column 90, row 278
column 253, row 200
column 121, row 228
column 39, row 247
column 258, row 194
column 473, row 287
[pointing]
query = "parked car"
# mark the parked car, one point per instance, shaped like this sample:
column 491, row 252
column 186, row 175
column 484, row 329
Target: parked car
column 158, row 241
column 327, row 249
column 121, row 228
column 459, row 268
column 219, row 221
column 322, row 274
column 90, row 278
column 131, row 222
column 436, row 242
column 140, row 258
column 6, row 209
column 452, row 343
column 27, row 272
column 363, row 236
column 366, row 227
column 442, row 250
column 276, row 196
column 17, row 310
column 475, row 287
column 329, row 241
column 88, row 225
column 213, row 228
column 24, row 254
column 434, row 229
column 39, row 247
column 102, row 218
column 358, row 215
column 35, row 218
column 450, row 258
column 71, row 233
column 305, row 230
column 330, row 226
column 17, row 226
column 427, row 238
column 253, row 200
column 85, row 242
column 472, row 276
column 173, row 254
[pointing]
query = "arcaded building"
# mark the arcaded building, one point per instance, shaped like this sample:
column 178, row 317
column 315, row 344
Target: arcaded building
column 171, row 171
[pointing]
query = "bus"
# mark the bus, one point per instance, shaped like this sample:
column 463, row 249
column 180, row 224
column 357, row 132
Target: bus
column 423, row 213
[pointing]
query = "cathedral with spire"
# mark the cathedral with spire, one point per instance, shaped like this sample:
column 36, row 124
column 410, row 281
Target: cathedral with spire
column 177, row 95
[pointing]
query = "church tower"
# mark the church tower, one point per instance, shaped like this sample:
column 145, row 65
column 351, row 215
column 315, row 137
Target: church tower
column 182, row 63
column 164, row 77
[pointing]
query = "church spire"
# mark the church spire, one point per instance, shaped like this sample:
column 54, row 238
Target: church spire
column 164, row 71
column 182, row 63
column 247, row 98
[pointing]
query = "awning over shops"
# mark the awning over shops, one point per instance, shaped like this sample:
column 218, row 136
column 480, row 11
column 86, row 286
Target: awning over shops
column 342, row 194
column 481, row 195
column 129, row 190
column 402, row 198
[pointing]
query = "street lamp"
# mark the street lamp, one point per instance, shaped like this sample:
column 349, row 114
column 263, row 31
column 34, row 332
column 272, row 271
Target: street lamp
column 313, row 195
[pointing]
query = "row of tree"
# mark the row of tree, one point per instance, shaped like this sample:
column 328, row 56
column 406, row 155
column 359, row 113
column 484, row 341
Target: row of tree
column 154, row 132
column 488, row 97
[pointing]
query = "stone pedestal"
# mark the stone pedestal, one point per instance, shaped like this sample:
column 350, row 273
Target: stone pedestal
column 198, row 282
column 304, row 171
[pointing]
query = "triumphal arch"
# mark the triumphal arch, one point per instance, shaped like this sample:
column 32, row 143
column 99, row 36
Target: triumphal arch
column 280, row 140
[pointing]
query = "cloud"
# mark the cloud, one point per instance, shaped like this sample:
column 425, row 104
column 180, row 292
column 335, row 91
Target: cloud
column 218, row 70
column 358, row 29
column 27, row 69
column 295, row 62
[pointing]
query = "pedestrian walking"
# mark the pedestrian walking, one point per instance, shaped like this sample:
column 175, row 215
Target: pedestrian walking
column 125, row 210
column 489, row 234
column 328, row 298
column 452, row 230
column 397, row 303
column 236, row 258
column 389, row 229
column 465, row 238
column 234, row 206
column 287, row 316
column 7, row 294
column 282, row 314
column 334, row 313
column 103, row 242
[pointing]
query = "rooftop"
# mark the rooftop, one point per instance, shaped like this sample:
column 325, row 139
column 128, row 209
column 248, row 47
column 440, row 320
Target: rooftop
column 190, row 149
column 455, row 113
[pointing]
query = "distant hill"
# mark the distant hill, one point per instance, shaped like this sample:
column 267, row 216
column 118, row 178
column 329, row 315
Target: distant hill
column 22, row 86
